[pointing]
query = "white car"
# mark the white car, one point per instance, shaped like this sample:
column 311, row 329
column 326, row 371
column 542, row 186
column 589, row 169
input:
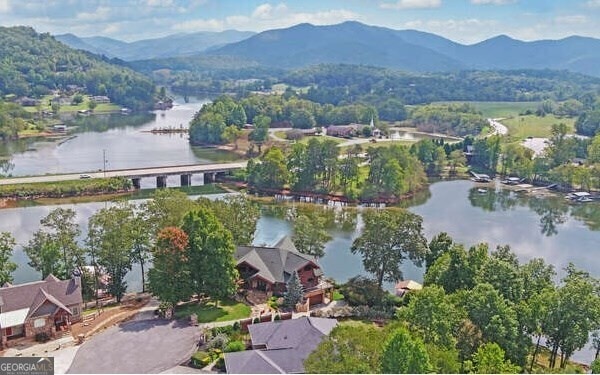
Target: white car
column 85, row 176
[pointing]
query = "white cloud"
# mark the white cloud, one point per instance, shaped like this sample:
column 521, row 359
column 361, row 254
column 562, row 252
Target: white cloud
column 158, row 3
column 100, row 14
column 267, row 16
column 493, row 2
column 112, row 29
column 4, row 6
column 575, row 19
column 593, row 4
column 412, row 4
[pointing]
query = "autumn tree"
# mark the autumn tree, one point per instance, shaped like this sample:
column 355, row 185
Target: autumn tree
column 169, row 279
column 388, row 238
column 7, row 267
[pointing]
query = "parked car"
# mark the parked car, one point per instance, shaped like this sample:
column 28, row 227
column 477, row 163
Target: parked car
column 85, row 176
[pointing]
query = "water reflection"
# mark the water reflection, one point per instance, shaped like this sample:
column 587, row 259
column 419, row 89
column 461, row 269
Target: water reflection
column 553, row 211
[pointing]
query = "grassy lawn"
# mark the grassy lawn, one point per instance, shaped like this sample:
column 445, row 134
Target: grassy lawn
column 535, row 126
column 207, row 312
column 100, row 108
column 499, row 109
column 337, row 296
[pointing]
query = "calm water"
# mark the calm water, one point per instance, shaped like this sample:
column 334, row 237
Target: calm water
column 124, row 138
column 533, row 227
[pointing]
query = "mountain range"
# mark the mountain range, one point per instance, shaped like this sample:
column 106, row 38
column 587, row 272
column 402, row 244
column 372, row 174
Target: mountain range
column 169, row 46
column 356, row 43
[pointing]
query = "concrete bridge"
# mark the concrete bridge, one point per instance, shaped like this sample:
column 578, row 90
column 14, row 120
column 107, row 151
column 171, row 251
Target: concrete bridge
column 209, row 171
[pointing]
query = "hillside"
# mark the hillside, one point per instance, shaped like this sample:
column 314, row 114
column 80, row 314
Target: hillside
column 355, row 43
column 157, row 48
column 33, row 64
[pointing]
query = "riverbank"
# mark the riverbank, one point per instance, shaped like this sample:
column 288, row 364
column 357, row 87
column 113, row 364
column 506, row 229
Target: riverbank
column 109, row 197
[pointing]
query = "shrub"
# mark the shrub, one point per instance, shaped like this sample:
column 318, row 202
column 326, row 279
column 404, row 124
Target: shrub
column 277, row 317
column 218, row 342
column 220, row 364
column 255, row 320
column 234, row 346
column 236, row 326
column 200, row 359
column 42, row 337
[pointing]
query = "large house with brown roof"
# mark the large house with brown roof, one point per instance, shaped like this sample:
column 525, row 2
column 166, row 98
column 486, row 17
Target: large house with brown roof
column 40, row 307
column 268, row 269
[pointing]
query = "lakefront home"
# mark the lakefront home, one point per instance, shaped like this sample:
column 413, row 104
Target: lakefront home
column 39, row 308
column 268, row 269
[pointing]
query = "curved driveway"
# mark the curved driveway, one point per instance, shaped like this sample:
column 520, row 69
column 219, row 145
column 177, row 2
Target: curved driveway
column 140, row 346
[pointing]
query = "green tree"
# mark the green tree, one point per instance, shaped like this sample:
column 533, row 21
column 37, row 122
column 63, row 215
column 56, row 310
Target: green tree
column 110, row 231
column 489, row 359
column 595, row 366
column 309, row 236
column 270, row 172
column 77, row 99
column 239, row 215
column 210, row 255
column 166, row 209
column 439, row 245
column 56, row 237
column 404, row 354
column 348, row 349
column 294, row 291
column 169, row 278
column 231, row 134
column 388, row 238
column 7, row 267
column 141, row 242
column 594, row 150
column 433, row 316
column 92, row 105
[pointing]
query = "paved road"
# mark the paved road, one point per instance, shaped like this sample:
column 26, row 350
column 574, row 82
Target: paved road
column 145, row 345
column 140, row 172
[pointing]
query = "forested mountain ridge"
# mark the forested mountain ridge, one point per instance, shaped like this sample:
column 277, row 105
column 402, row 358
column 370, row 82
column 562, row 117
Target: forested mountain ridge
column 175, row 45
column 355, row 43
column 33, row 64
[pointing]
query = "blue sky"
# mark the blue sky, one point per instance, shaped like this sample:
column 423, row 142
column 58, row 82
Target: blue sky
column 466, row 21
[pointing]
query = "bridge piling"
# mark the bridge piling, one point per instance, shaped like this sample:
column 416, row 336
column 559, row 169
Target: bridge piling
column 209, row 178
column 186, row 180
column 161, row 182
column 136, row 183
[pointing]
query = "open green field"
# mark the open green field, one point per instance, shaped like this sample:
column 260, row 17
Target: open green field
column 100, row 108
column 500, row 109
column 208, row 312
column 521, row 127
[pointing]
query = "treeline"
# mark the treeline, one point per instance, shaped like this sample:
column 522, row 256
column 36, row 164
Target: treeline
column 12, row 120
column 166, row 229
column 316, row 167
column 33, row 64
column 92, row 186
column 453, row 119
column 588, row 122
column 288, row 110
column 337, row 84
column 479, row 312
column 264, row 111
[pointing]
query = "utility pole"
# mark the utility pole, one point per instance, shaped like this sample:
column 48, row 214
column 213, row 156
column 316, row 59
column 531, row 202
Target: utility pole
column 104, row 161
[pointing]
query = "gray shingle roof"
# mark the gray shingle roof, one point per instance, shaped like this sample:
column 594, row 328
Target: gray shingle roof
column 288, row 344
column 274, row 264
column 16, row 297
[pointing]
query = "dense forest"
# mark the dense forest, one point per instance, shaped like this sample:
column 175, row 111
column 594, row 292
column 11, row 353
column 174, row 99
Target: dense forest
column 33, row 64
column 347, row 83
